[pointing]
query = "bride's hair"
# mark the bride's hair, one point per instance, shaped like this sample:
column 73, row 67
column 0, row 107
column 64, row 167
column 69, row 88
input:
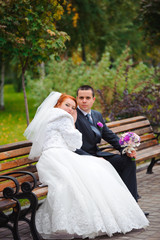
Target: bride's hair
column 62, row 98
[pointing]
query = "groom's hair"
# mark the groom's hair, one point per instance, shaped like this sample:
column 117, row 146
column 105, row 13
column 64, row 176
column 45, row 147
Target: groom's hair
column 86, row 87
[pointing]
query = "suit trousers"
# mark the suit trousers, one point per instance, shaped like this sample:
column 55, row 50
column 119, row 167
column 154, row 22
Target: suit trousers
column 127, row 171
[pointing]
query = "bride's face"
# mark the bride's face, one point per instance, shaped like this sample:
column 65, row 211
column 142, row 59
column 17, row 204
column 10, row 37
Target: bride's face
column 68, row 105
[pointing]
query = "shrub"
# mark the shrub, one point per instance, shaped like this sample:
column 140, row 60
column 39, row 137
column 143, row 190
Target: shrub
column 145, row 102
column 123, row 88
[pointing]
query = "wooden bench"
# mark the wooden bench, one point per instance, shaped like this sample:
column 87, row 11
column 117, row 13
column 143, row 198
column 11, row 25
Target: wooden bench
column 19, row 178
column 149, row 148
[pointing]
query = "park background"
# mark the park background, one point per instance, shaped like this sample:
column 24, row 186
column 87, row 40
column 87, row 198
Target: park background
column 59, row 45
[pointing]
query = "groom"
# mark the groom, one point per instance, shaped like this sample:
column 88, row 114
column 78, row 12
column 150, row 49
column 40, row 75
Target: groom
column 86, row 123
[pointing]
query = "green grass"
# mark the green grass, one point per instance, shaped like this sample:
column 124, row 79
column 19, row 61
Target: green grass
column 13, row 118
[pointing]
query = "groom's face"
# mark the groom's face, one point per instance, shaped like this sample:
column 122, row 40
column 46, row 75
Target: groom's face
column 85, row 100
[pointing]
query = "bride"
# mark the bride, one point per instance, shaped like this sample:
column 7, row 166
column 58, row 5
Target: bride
column 86, row 197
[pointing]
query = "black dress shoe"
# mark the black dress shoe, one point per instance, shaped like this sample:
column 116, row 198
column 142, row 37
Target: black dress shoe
column 146, row 214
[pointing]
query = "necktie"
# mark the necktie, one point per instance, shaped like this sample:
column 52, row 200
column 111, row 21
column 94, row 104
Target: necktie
column 94, row 129
column 88, row 116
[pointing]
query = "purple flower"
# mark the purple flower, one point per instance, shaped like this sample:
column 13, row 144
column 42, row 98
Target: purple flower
column 121, row 142
column 127, row 138
column 100, row 125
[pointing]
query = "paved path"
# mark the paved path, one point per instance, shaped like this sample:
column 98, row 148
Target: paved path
column 148, row 188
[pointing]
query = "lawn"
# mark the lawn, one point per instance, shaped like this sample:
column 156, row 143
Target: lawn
column 13, row 118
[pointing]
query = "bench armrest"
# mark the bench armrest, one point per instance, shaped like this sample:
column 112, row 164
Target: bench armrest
column 26, row 186
column 9, row 192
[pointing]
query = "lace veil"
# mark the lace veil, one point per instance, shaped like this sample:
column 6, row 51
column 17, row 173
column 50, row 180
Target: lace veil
column 35, row 132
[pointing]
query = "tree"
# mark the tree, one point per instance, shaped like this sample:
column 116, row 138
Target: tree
column 2, row 84
column 82, row 22
column 149, row 17
column 4, row 58
column 28, row 31
column 103, row 23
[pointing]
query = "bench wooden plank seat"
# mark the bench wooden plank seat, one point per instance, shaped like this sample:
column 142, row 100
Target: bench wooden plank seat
column 20, row 174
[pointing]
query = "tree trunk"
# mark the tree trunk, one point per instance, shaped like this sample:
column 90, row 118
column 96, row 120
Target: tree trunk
column 42, row 71
column 25, row 96
column 2, row 86
column 83, row 51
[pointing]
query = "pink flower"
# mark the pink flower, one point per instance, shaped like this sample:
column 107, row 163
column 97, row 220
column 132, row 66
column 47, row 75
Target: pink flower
column 100, row 125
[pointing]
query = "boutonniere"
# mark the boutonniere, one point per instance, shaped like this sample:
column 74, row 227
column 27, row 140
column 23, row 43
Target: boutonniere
column 100, row 125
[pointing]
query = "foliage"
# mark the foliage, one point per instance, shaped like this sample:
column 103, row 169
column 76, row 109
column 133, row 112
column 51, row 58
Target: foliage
column 145, row 102
column 149, row 17
column 28, row 28
column 86, row 30
column 110, row 80
column 28, row 32
column 103, row 23
column 136, row 91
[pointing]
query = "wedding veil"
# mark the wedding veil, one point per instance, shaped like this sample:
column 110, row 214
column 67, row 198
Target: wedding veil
column 35, row 132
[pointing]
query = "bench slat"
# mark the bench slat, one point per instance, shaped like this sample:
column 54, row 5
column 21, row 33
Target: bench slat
column 147, row 144
column 15, row 145
column 143, row 138
column 14, row 153
column 40, row 191
column 142, row 131
column 129, row 127
column 148, row 137
column 125, row 121
column 16, row 163
column 148, row 153
column 21, row 179
column 31, row 168
column 6, row 204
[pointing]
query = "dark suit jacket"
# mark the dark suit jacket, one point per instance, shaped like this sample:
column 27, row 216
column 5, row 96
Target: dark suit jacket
column 90, row 140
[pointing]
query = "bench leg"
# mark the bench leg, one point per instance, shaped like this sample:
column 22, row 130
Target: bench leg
column 5, row 221
column 16, row 218
column 32, row 211
column 15, row 233
column 151, row 165
column 31, row 221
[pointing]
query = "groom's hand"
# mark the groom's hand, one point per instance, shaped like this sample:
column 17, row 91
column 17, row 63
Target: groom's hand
column 133, row 154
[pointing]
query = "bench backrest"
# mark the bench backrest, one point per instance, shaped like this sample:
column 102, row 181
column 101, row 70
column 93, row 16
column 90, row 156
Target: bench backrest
column 14, row 157
column 140, row 125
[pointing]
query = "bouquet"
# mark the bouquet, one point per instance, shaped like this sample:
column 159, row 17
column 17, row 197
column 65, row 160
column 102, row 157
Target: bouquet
column 129, row 140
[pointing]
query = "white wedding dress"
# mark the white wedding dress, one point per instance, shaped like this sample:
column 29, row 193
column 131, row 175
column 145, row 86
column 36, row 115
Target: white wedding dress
column 86, row 197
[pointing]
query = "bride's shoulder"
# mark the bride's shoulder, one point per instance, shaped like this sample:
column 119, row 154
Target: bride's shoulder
column 57, row 113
